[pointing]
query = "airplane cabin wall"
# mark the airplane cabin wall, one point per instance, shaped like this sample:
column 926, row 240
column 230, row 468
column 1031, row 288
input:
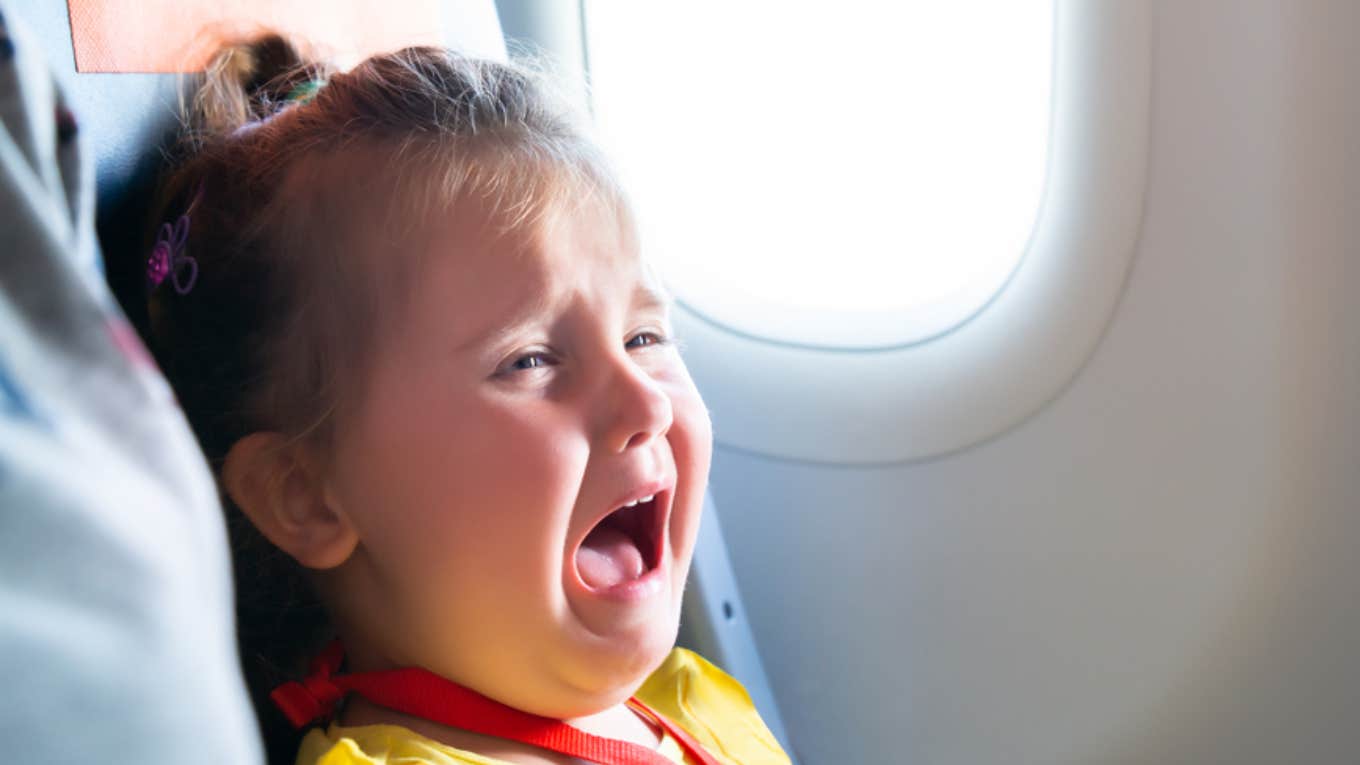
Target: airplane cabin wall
column 1161, row 565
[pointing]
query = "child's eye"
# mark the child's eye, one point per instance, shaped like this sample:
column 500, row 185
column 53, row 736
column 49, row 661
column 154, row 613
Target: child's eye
column 528, row 361
column 531, row 361
column 645, row 339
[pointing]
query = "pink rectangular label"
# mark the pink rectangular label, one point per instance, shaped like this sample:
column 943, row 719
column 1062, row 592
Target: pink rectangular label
column 181, row 35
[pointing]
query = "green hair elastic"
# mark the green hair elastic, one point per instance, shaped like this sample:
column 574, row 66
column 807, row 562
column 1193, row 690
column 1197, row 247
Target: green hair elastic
column 304, row 91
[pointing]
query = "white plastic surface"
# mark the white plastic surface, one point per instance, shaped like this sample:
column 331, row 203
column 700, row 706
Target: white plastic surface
column 1021, row 349
column 713, row 622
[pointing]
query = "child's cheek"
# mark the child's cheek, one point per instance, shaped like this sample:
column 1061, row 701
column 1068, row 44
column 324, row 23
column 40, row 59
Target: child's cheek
column 691, row 442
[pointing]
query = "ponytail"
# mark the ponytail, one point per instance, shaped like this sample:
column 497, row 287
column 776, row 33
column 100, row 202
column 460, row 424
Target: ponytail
column 249, row 83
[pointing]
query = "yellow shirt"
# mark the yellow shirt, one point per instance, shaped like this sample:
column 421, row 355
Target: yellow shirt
column 703, row 700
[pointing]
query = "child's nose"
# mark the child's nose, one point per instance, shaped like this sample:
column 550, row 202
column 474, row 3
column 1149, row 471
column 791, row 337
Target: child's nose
column 633, row 407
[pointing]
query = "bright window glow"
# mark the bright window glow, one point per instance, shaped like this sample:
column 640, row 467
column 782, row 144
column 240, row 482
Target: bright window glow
column 848, row 174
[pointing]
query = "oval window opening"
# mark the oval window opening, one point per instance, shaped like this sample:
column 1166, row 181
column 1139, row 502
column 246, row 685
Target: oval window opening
column 848, row 175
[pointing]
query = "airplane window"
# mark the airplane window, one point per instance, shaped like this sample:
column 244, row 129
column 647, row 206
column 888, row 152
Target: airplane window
column 896, row 230
column 852, row 175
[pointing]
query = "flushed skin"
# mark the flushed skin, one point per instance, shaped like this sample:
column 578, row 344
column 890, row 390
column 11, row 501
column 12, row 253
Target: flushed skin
column 525, row 387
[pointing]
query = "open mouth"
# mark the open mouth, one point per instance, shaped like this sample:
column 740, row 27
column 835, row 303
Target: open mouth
column 623, row 546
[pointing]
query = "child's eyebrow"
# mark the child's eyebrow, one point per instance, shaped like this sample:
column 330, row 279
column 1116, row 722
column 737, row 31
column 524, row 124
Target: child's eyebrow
column 645, row 298
column 650, row 298
column 494, row 334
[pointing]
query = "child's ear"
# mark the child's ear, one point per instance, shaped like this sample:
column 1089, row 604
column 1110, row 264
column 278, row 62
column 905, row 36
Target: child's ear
column 279, row 488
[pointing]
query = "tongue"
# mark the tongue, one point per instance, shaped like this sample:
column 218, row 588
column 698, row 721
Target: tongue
column 608, row 557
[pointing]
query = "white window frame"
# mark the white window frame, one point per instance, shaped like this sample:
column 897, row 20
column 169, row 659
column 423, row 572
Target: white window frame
column 1001, row 366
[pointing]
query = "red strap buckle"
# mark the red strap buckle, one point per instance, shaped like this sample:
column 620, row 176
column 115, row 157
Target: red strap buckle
column 316, row 696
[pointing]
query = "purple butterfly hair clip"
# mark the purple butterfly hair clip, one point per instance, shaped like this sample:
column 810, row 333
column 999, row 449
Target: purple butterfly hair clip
column 167, row 255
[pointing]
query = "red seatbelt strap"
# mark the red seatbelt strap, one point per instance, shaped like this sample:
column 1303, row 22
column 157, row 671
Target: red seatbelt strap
column 424, row 694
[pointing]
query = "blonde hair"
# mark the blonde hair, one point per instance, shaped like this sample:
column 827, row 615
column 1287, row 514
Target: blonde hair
column 282, row 185
column 275, row 332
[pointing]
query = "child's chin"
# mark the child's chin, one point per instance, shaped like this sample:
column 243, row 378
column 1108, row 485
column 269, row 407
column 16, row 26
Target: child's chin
column 620, row 665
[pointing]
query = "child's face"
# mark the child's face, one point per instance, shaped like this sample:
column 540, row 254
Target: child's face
column 518, row 397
